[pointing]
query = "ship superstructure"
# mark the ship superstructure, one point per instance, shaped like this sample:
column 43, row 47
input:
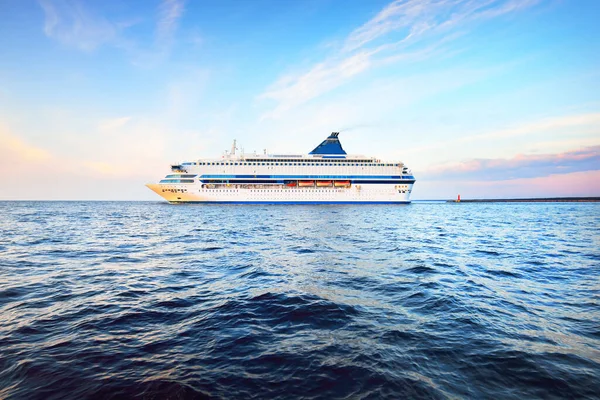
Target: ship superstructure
column 325, row 175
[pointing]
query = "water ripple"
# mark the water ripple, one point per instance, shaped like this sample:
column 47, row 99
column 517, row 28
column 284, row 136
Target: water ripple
column 120, row 300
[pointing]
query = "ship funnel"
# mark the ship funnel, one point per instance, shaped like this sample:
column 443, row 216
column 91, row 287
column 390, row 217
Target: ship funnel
column 331, row 145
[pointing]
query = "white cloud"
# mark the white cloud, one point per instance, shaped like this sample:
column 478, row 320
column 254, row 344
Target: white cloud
column 170, row 11
column 386, row 38
column 546, row 125
column 72, row 24
column 289, row 92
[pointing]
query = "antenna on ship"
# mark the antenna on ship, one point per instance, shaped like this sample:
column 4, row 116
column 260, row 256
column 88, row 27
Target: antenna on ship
column 233, row 148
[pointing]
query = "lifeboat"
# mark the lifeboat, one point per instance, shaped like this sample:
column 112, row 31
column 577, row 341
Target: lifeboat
column 341, row 183
column 306, row 183
column 324, row 183
column 291, row 184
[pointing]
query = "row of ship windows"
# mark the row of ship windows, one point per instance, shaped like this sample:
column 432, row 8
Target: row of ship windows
column 176, row 181
column 328, row 163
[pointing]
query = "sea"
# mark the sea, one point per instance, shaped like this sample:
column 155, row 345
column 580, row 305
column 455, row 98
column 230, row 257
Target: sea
column 146, row 300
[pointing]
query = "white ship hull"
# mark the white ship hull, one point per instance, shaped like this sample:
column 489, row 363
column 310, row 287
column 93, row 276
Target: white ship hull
column 376, row 194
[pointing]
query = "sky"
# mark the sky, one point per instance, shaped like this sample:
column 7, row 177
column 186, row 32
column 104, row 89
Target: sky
column 483, row 98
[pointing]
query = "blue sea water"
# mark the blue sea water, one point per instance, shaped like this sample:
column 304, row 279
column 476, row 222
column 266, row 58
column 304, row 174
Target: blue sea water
column 150, row 300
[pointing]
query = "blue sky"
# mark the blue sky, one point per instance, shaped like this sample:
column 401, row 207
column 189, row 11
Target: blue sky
column 487, row 98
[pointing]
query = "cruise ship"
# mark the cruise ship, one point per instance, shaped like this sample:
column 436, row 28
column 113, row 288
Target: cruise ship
column 326, row 175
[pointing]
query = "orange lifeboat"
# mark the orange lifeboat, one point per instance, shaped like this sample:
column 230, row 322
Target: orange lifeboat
column 291, row 184
column 306, row 183
column 324, row 183
column 341, row 183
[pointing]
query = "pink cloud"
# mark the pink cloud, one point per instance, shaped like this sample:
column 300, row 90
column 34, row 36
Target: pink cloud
column 575, row 184
column 520, row 166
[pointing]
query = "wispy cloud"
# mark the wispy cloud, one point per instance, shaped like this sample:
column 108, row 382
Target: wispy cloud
column 416, row 18
column 170, row 12
column 15, row 148
column 74, row 23
column 520, row 166
column 290, row 91
column 394, row 32
column 546, row 125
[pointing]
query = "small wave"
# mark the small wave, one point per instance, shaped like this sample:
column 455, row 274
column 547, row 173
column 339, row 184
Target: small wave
column 173, row 303
column 122, row 259
column 421, row 269
column 488, row 252
column 132, row 293
column 304, row 250
column 211, row 248
column 503, row 273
